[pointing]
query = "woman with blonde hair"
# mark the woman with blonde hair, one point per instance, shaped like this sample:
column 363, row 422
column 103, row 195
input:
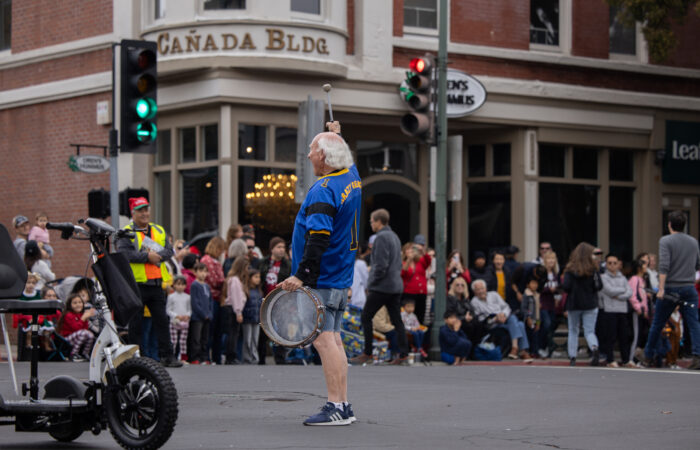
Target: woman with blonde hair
column 582, row 283
column 549, row 297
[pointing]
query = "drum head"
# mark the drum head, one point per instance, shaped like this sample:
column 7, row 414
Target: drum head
column 292, row 319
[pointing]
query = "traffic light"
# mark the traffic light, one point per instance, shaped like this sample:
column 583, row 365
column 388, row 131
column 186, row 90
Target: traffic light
column 139, row 100
column 417, row 91
column 98, row 203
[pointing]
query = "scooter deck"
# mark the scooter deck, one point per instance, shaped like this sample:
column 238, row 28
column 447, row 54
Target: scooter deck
column 45, row 406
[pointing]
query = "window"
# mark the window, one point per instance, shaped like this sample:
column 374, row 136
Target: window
column 252, row 142
column 307, row 6
column 501, row 159
column 489, row 216
column 477, row 160
column 420, row 13
column 200, row 201
column 621, row 217
column 568, row 215
column 544, row 22
column 5, row 23
column 224, row 4
column 388, row 158
column 162, row 195
column 210, row 142
column 623, row 38
column 188, row 145
column 163, row 148
column 552, row 159
column 159, row 9
column 586, row 163
column 285, row 144
column 621, row 165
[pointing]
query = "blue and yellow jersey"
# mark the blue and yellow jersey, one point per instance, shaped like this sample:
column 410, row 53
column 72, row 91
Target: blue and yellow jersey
column 332, row 208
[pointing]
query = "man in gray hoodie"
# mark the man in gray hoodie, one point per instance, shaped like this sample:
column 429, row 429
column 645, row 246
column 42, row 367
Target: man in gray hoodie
column 613, row 323
column 679, row 259
column 384, row 285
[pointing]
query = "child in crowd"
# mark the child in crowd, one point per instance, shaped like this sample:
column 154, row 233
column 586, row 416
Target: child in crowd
column 23, row 320
column 530, row 313
column 413, row 326
column 201, row 301
column 30, row 290
column 673, row 331
column 188, row 263
column 179, row 310
column 454, row 344
column 39, row 232
column 95, row 323
column 234, row 300
column 73, row 325
column 251, row 318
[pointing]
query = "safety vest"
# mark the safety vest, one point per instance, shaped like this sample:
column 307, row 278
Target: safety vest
column 141, row 271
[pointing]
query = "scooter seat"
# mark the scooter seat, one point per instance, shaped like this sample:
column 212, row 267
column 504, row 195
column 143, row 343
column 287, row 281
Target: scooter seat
column 30, row 307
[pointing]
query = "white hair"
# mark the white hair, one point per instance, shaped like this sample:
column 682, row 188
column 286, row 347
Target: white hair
column 335, row 148
column 479, row 281
column 237, row 248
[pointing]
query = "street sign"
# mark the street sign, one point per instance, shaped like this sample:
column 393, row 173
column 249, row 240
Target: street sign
column 88, row 163
column 465, row 94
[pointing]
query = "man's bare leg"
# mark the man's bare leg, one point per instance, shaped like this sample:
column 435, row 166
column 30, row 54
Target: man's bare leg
column 333, row 366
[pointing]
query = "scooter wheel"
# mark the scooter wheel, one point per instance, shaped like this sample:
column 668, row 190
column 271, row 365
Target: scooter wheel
column 68, row 434
column 142, row 409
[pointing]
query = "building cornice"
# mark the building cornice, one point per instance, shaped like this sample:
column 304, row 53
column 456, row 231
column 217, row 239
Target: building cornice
column 10, row 60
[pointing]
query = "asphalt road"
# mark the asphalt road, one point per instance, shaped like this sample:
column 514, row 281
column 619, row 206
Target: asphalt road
column 417, row 407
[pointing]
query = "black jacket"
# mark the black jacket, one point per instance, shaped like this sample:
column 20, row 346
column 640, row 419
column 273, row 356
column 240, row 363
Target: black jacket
column 492, row 285
column 582, row 291
column 264, row 267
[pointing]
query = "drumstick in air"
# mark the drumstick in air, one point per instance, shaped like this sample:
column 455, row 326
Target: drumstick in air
column 327, row 87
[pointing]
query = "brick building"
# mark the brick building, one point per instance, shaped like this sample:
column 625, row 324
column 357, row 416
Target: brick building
column 566, row 148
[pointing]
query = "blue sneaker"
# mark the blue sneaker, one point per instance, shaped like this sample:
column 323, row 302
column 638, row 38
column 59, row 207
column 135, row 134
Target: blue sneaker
column 329, row 415
column 350, row 413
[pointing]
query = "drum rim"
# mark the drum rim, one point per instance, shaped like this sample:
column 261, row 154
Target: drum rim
column 320, row 318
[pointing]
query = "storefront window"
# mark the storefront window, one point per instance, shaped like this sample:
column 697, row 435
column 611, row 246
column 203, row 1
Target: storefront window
column 477, row 160
column 210, row 142
column 552, row 158
column 586, row 163
column 623, row 38
column 162, row 197
column 267, row 201
column 306, row 6
column 420, row 13
column 252, row 142
column 163, row 148
column 224, row 4
column 200, row 201
column 188, row 145
column 544, row 22
column 376, row 157
column 621, row 165
column 489, row 216
column 501, row 159
column 285, row 144
column 621, row 221
column 568, row 215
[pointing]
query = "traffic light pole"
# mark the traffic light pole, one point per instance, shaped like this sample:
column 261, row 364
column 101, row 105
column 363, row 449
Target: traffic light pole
column 114, row 151
column 440, row 185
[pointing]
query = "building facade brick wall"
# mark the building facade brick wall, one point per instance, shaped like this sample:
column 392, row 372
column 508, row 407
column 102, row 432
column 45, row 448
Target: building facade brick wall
column 590, row 34
column 484, row 22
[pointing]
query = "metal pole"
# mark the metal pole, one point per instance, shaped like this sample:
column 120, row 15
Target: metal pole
column 114, row 152
column 440, row 185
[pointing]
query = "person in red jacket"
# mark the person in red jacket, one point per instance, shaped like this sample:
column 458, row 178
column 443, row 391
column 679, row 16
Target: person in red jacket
column 73, row 325
column 415, row 284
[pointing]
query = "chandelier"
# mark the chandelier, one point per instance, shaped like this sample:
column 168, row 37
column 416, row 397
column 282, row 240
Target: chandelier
column 271, row 205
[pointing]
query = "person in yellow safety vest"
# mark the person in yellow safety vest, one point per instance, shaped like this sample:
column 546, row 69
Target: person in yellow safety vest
column 146, row 252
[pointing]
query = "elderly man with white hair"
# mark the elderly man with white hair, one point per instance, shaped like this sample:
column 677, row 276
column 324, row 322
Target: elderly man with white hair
column 489, row 306
column 324, row 244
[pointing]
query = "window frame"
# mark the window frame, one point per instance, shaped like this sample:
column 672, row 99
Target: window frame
column 565, row 27
column 430, row 32
column 2, row 30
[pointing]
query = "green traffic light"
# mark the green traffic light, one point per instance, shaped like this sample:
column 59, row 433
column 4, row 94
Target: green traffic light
column 146, row 108
column 146, row 132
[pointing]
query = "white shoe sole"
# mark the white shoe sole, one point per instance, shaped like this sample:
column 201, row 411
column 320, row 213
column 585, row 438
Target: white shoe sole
column 334, row 423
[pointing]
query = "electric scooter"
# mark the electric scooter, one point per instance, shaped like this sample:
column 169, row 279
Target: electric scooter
column 133, row 396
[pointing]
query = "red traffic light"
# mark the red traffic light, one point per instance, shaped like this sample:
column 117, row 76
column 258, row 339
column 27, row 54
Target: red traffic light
column 145, row 59
column 420, row 65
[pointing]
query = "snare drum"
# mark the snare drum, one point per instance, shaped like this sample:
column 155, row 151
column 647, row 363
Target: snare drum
column 292, row 319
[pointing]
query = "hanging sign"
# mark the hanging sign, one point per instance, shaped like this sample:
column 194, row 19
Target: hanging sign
column 88, row 163
column 465, row 94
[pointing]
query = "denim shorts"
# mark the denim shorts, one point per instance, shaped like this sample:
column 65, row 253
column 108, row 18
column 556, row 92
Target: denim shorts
column 335, row 301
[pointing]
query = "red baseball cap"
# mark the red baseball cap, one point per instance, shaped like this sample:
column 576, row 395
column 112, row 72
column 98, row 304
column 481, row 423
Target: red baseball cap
column 137, row 202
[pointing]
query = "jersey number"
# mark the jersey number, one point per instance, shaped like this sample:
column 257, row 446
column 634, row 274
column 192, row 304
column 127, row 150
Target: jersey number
column 354, row 241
